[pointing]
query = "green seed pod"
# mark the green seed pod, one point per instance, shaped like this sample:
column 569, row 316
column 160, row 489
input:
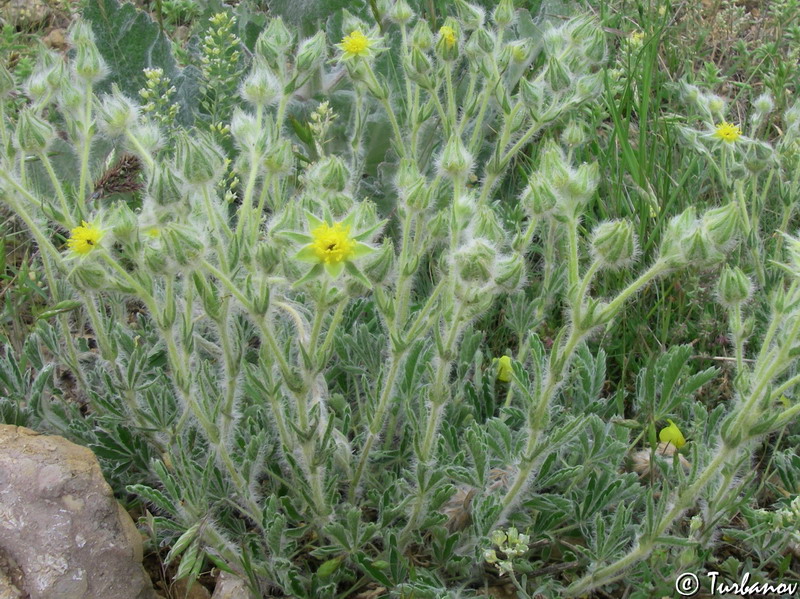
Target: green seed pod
column 734, row 287
column 614, row 244
column 200, row 160
column 311, row 53
column 721, row 226
column 33, row 134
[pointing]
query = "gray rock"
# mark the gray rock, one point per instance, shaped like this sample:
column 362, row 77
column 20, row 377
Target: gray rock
column 61, row 531
column 231, row 587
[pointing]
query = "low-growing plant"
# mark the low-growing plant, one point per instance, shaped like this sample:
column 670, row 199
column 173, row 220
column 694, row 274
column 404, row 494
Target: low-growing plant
column 294, row 383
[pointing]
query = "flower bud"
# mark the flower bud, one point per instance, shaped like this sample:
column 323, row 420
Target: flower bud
column 582, row 185
column 400, row 13
column 273, row 43
column 439, row 225
column 164, row 186
column 330, row 173
column 340, row 204
column 148, row 135
column 470, row 15
column 721, row 225
column 533, row 96
column 418, row 67
column 480, row 44
column 485, row 224
column 267, row 258
column 504, row 14
column 246, row 132
column 448, row 42
column 674, row 234
column 734, row 287
column 279, row 159
column 7, row 84
column 33, row 134
column 155, row 260
column 573, row 135
column 759, row 157
column 118, row 112
column 88, row 275
column 311, row 53
column 510, row 272
column 587, row 87
column 36, row 86
column 379, row 268
column 261, row 87
column 474, row 262
column 123, row 223
column 183, row 245
column 557, row 75
column 422, row 36
column 88, row 64
column 455, row 161
column 764, row 104
column 538, row 198
column 614, row 244
column 699, row 250
column 199, row 159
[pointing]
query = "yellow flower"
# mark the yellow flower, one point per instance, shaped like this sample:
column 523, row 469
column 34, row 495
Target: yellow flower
column 331, row 247
column 727, row 132
column 636, row 39
column 355, row 44
column 332, row 244
column 448, row 35
column 672, row 434
column 85, row 238
column 153, row 232
column 504, row 369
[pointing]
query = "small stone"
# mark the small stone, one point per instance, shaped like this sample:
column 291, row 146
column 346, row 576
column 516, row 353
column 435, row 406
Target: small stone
column 57, row 40
column 231, row 587
column 196, row 591
column 62, row 533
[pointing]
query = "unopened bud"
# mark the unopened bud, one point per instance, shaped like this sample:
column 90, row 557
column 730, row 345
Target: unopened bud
column 614, row 244
column 267, row 258
column 379, row 268
column 474, row 263
column 721, row 225
column 330, row 173
column 455, row 161
column 448, row 42
column 164, row 186
column 279, row 160
column 421, row 35
column 674, row 234
column 538, row 198
column 557, row 75
column 89, row 65
column 504, row 14
column 764, row 104
column 148, row 135
column 510, row 272
column 574, row 134
column 274, row 42
column 7, row 84
column 463, row 208
column 33, row 134
column 200, row 160
column 88, row 275
column 183, row 245
column 699, row 250
column 480, row 44
column 400, row 13
column 123, row 222
column 418, row 67
column 734, row 287
column 582, row 185
column 485, row 224
column 155, row 260
column 470, row 15
column 311, row 53
column 261, row 87
column 119, row 113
